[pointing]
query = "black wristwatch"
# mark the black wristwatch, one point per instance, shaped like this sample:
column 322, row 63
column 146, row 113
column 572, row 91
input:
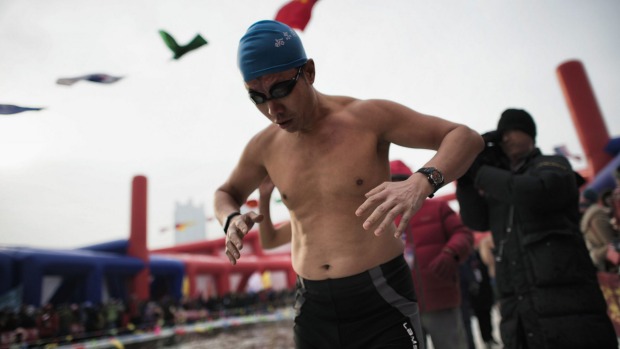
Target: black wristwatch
column 435, row 178
column 227, row 223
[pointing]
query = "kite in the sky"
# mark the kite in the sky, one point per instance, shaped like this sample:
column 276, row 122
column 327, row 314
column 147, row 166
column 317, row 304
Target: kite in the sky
column 99, row 78
column 179, row 50
column 296, row 13
column 7, row 109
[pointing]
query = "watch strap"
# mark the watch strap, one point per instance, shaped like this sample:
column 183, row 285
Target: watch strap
column 228, row 219
column 428, row 171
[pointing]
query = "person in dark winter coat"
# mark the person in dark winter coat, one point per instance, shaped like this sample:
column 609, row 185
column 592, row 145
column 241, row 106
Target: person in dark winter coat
column 548, row 292
column 440, row 242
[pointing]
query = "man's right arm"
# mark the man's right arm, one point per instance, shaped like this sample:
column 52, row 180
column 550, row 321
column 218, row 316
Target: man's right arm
column 229, row 197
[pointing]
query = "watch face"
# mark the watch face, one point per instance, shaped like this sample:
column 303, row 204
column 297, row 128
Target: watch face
column 436, row 177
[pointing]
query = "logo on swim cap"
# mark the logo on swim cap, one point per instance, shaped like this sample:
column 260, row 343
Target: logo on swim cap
column 269, row 47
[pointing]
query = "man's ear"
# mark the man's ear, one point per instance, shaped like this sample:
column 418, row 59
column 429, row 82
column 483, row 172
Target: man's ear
column 310, row 71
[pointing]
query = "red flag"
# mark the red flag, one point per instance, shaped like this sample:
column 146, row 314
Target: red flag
column 296, row 13
column 252, row 203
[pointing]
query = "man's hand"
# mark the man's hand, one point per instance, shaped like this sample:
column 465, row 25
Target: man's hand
column 391, row 199
column 238, row 228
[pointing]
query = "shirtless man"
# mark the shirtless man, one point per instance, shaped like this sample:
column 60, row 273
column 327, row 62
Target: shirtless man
column 328, row 157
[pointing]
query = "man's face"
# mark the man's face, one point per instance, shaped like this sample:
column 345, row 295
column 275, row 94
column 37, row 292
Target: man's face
column 516, row 144
column 275, row 95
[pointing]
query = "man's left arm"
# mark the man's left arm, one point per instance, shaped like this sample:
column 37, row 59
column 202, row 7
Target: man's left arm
column 456, row 148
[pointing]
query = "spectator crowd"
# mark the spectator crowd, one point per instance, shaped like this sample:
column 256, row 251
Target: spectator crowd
column 30, row 326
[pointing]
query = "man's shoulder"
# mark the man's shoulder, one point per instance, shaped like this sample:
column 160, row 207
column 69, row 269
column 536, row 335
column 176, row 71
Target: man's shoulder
column 342, row 100
column 364, row 104
column 374, row 113
column 266, row 134
column 345, row 105
column 350, row 110
column 263, row 138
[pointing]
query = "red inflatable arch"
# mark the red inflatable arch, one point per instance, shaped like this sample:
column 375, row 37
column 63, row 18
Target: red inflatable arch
column 207, row 258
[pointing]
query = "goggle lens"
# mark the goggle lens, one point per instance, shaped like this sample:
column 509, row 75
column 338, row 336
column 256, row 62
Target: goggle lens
column 278, row 90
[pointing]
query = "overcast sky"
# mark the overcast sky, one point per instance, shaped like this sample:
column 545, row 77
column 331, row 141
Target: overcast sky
column 66, row 171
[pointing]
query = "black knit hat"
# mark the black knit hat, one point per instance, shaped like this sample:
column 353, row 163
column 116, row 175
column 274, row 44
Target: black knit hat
column 517, row 119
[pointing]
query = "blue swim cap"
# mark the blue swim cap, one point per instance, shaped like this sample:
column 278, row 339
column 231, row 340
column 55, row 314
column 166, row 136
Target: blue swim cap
column 269, row 47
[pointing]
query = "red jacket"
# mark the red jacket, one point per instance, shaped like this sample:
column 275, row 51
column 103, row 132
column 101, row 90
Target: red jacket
column 436, row 231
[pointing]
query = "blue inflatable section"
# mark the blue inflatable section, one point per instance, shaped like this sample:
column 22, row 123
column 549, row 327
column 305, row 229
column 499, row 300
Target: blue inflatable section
column 85, row 273
column 605, row 178
column 115, row 246
column 167, row 273
column 613, row 146
column 7, row 281
column 84, row 270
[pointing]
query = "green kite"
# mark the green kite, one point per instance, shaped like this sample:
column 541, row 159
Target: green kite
column 179, row 50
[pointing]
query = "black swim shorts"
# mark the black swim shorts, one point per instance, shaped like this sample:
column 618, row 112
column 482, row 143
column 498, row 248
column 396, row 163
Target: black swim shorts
column 373, row 309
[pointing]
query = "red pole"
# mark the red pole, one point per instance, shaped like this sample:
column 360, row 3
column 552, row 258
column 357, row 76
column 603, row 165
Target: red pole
column 585, row 113
column 137, row 239
column 223, row 283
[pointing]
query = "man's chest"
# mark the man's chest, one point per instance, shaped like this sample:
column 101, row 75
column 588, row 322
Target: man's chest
column 325, row 168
